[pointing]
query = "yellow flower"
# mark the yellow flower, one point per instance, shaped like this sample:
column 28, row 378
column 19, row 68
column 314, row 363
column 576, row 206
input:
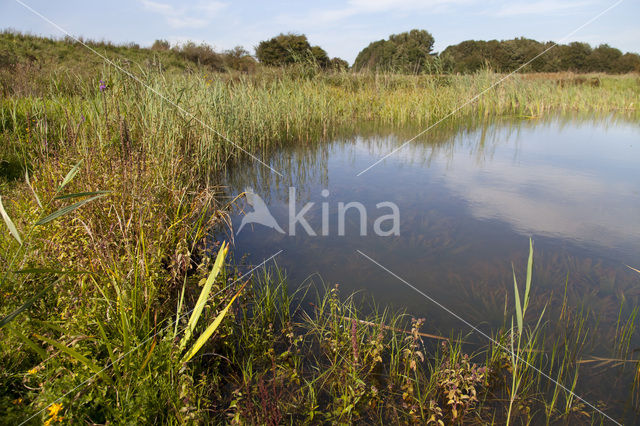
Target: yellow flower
column 34, row 370
column 54, row 409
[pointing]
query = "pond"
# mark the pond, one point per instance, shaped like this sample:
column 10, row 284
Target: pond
column 468, row 199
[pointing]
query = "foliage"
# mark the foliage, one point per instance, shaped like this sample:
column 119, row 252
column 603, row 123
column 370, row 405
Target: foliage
column 338, row 64
column 239, row 59
column 161, row 45
column 508, row 55
column 458, row 382
column 287, row 49
column 408, row 52
column 201, row 54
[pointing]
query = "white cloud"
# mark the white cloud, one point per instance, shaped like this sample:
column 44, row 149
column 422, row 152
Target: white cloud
column 553, row 198
column 553, row 201
column 371, row 6
column 323, row 17
column 195, row 16
column 542, row 7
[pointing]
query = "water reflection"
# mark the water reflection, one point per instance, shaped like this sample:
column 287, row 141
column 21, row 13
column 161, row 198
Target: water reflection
column 470, row 195
column 579, row 183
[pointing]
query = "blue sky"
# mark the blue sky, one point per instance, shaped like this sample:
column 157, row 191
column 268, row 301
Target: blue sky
column 342, row 28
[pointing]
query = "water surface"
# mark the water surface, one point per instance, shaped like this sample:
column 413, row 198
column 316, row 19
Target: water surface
column 469, row 201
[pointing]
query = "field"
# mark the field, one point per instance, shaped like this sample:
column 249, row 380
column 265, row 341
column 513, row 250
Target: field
column 110, row 187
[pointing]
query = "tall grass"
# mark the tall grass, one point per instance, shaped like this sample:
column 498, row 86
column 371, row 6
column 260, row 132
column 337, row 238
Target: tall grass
column 264, row 111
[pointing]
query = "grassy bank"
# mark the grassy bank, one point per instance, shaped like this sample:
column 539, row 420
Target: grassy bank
column 99, row 338
column 265, row 111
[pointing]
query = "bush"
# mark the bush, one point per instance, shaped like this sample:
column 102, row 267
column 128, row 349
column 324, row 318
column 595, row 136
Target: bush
column 408, row 52
column 161, row 45
column 287, row 49
column 202, row 54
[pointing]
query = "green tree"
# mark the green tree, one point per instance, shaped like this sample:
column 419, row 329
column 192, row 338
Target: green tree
column 201, row 54
column 338, row 64
column 509, row 55
column 604, row 58
column 467, row 56
column 408, row 52
column 629, row 62
column 160, row 45
column 285, row 49
column 574, row 56
column 239, row 59
column 320, row 57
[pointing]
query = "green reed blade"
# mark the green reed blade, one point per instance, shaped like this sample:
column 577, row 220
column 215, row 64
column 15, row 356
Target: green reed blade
column 69, row 177
column 204, row 294
column 78, row 357
column 81, row 194
column 12, row 228
column 211, row 329
column 65, row 210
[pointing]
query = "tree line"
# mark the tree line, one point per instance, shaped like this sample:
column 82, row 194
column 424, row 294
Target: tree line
column 508, row 55
column 282, row 50
column 411, row 52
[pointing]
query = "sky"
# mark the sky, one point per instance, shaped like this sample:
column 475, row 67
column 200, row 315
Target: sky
column 342, row 28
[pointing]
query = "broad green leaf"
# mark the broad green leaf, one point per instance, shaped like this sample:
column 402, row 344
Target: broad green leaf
column 211, row 329
column 9, row 222
column 529, row 276
column 72, row 173
column 81, row 194
column 78, row 357
column 179, row 309
column 518, row 306
column 204, row 294
column 66, row 210
column 26, row 175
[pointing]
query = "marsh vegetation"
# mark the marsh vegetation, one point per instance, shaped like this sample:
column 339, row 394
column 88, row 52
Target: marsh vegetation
column 110, row 196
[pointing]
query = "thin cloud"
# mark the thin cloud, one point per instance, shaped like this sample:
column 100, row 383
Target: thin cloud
column 543, row 7
column 196, row 16
column 320, row 17
column 372, row 6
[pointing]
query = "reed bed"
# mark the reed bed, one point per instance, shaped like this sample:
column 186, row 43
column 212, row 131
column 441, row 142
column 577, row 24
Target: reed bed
column 263, row 112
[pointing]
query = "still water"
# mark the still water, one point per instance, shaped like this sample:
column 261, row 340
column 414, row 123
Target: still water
column 468, row 199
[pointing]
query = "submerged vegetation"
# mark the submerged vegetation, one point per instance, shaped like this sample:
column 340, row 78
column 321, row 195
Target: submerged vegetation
column 117, row 307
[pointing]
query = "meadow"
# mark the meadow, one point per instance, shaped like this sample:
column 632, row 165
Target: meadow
column 109, row 194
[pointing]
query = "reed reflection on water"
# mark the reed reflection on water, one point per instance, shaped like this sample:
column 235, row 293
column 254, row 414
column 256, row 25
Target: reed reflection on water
column 469, row 200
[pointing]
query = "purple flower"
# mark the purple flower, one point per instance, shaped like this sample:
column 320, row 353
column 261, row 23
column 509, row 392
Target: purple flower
column 103, row 86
